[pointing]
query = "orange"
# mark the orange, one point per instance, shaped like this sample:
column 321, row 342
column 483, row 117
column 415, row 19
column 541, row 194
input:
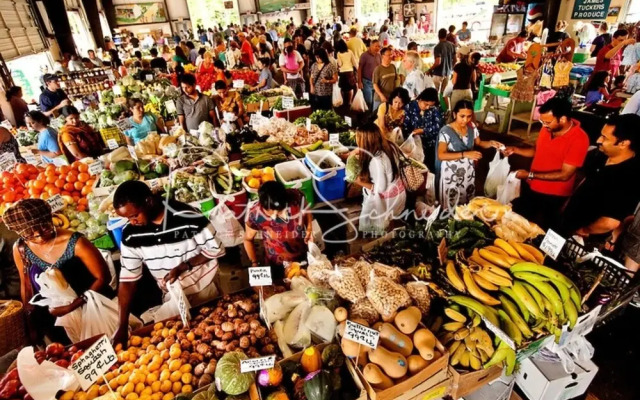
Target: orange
column 86, row 190
column 75, row 193
column 71, row 177
column 64, row 169
column 44, row 196
column 49, row 186
column 68, row 187
column 75, row 165
column 22, row 169
column 83, row 201
column 33, row 176
column 78, row 185
column 52, row 178
column 60, row 183
column 50, row 167
column 90, row 182
column 75, row 200
column 83, row 176
column 34, row 192
column 53, row 191
column 82, row 167
column 39, row 184
column 32, row 169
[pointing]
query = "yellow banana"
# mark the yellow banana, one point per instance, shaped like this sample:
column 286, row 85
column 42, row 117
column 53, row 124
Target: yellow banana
column 496, row 249
column 474, row 361
column 446, row 338
column 524, row 254
column 56, row 222
column 454, row 346
column 499, row 271
column 455, row 315
column 470, row 343
column 539, row 256
column 495, row 278
column 501, row 260
column 454, row 277
column 476, row 320
column 452, row 326
column 464, row 358
column 64, row 219
column 483, row 283
column 475, row 291
column 483, row 356
column 461, row 334
column 507, row 247
column 455, row 356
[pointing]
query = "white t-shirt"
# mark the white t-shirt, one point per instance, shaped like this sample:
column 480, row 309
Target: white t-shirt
column 282, row 61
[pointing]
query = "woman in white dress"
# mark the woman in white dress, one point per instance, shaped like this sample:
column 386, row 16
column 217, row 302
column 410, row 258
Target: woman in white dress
column 382, row 186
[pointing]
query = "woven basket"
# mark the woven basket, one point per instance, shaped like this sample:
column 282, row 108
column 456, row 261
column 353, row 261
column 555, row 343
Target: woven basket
column 13, row 334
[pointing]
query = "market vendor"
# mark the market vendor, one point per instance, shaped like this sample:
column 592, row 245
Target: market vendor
column 285, row 228
column 42, row 248
column 172, row 240
column 610, row 55
column 141, row 123
column 192, row 106
column 53, row 98
column 47, row 147
column 228, row 101
column 560, row 150
column 76, row 138
column 513, row 50
column 609, row 192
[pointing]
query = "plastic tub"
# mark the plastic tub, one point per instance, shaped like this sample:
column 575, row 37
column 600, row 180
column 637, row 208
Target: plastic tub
column 288, row 171
column 237, row 202
column 329, row 182
column 116, row 225
column 205, row 206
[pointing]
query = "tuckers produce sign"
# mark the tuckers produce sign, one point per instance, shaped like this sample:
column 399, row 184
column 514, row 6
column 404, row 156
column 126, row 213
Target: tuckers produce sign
column 590, row 9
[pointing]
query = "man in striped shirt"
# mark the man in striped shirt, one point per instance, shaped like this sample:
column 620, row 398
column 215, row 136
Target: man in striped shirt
column 173, row 240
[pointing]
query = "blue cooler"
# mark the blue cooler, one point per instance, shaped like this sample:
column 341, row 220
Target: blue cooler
column 116, row 225
column 328, row 181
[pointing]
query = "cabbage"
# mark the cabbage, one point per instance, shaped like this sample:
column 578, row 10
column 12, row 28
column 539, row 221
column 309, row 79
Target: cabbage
column 353, row 168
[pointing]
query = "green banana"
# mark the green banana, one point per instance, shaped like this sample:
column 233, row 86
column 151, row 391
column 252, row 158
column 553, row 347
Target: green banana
column 571, row 312
column 542, row 270
column 523, row 310
column 515, row 316
column 476, row 320
column 498, row 356
column 563, row 290
column 550, row 293
column 530, row 276
column 485, row 311
column 510, row 328
column 534, row 293
column 510, row 361
column 527, row 300
column 575, row 297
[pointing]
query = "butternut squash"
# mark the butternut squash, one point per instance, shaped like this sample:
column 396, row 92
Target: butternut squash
column 377, row 326
column 393, row 364
column 378, row 379
column 407, row 320
column 349, row 347
column 425, row 342
column 417, row 364
column 393, row 340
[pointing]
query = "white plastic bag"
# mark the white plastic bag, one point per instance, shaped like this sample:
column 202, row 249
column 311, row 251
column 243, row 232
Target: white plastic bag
column 358, row 103
column 498, row 172
column 373, row 217
column 509, row 190
column 43, row 381
column 113, row 283
column 100, row 316
column 228, row 229
column 412, row 147
column 170, row 307
column 395, row 136
column 337, row 95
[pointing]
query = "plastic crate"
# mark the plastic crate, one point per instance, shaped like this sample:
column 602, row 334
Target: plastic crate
column 330, row 184
column 622, row 286
column 112, row 133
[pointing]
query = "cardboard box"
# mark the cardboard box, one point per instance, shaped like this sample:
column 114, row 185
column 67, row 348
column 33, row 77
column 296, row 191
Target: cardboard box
column 540, row 380
column 468, row 382
column 417, row 386
column 499, row 389
column 232, row 279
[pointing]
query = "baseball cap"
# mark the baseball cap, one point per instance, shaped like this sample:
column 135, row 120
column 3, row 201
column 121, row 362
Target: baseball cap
column 464, row 50
column 49, row 77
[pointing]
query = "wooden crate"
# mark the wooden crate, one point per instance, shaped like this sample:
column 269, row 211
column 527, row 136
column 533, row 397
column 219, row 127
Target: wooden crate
column 463, row 384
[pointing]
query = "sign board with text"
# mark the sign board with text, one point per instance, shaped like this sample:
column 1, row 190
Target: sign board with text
column 94, row 362
column 552, row 244
column 590, row 9
column 56, row 202
column 361, row 334
column 260, row 276
column 7, row 161
column 257, row 364
column 287, row 102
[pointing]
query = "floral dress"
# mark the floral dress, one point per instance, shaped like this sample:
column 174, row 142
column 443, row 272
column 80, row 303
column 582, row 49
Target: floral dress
column 12, row 146
column 430, row 121
column 456, row 178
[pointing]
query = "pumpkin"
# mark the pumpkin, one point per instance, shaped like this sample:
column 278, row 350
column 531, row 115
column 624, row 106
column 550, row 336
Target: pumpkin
column 311, row 360
column 279, row 395
column 228, row 374
column 270, row 377
column 332, row 356
column 317, row 386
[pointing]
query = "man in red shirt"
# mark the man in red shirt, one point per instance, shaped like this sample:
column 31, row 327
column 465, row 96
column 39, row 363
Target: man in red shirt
column 560, row 150
column 610, row 56
column 246, row 50
column 513, row 50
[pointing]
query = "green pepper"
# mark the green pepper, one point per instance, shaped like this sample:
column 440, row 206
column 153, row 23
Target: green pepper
column 459, row 235
column 477, row 233
column 471, row 224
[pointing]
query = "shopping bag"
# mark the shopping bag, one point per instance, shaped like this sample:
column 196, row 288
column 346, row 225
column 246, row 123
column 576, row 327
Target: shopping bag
column 498, row 171
column 358, row 103
column 100, row 316
column 113, row 283
column 171, row 306
column 395, row 136
column 337, row 95
column 373, row 217
column 412, row 148
column 509, row 190
column 43, row 381
column 228, row 229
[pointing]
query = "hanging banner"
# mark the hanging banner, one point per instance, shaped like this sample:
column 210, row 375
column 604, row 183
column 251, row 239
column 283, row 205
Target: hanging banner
column 590, row 9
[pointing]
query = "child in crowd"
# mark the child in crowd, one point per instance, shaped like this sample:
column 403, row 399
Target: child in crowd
column 597, row 89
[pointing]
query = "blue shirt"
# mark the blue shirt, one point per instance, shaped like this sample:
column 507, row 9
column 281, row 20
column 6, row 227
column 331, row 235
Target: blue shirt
column 633, row 105
column 141, row 130
column 430, row 120
column 50, row 100
column 48, row 141
column 592, row 97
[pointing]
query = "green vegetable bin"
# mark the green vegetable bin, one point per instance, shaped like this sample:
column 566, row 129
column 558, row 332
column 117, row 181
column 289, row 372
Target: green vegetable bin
column 205, row 206
column 294, row 175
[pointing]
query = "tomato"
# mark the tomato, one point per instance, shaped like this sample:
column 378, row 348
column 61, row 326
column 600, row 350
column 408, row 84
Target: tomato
column 22, row 169
column 9, row 197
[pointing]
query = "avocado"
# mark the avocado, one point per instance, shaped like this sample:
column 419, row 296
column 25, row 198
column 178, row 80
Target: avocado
column 123, row 165
column 161, row 168
column 150, row 175
column 144, row 166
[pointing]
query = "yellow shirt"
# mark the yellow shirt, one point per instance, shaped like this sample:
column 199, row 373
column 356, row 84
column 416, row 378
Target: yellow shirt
column 356, row 45
column 346, row 61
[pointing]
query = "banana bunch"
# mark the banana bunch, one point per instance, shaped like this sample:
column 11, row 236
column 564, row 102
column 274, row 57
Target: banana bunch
column 470, row 345
column 60, row 221
column 295, row 269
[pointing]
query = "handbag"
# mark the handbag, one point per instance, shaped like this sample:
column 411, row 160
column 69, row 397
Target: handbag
column 412, row 176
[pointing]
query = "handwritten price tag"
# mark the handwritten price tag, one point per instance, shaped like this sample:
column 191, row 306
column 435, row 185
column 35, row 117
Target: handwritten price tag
column 112, row 144
column 59, row 161
column 257, row 364
column 287, row 102
column 148, row 77
column 132, row 152
column 154, row 184
column 117, row 90
column 260, row 276
column 361, row 334
column 499, row 333
column 124, row 124
column 7, row 161
column 348, row 120
column 308, row 124
column 238, row 83
column 95, row 168
column 56, row 202
column 552, row 244
column 334, row 139
column 305, row 95
column 170, row 105
column 258, row 120
column 33, row 159
column 94, row 362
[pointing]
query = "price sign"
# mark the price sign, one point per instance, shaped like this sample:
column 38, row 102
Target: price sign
column 94, row 362
column 260, row 276
column 238, row 83
column 334, row 139
column 170, row 105
column 154, row 183
column 552, row 244
column 124, row 124
column 33, row 159
column 287, row 102
column 348, row 120
column 258, row 120
column 361, row 334
column 132, row 152
column 499, row 333
column 305, row 95
column 117, row 90
column 7, row 161
column 111, row 76
column 257, row 364
column 59, row 161
column 120, row 101
column 112, row 144
column 148, row 77
column 6, row 124
column 95, row 168
column 56, row 202
column 308, row 124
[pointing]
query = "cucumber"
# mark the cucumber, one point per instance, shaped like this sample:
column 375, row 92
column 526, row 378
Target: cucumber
column 462, row 243
column 315, row 146
column 291, row 150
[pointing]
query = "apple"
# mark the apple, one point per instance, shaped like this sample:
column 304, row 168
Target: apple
column 73, row 349
column 39, row 354
column 62, row 363
column 55, row 350
column 76, row 355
